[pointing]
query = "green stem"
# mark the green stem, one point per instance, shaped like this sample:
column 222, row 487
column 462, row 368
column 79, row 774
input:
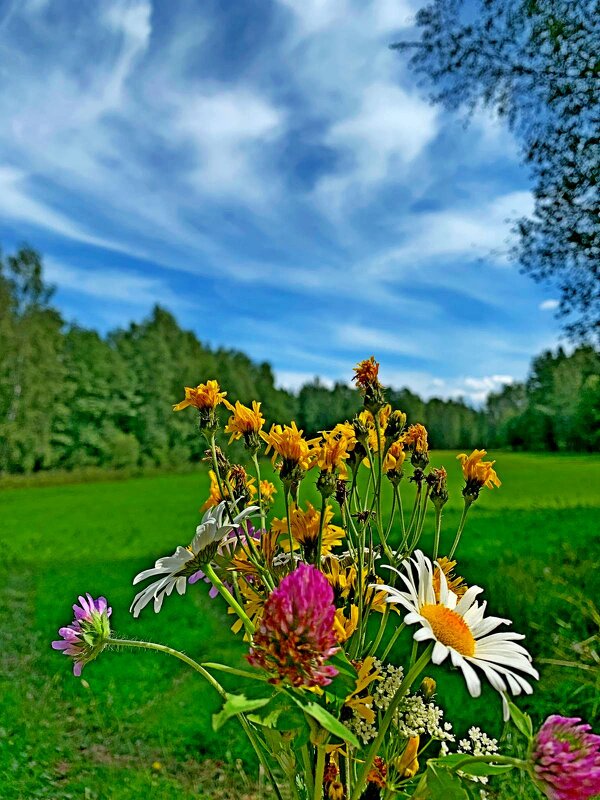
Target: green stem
column 318, row 556
column 380, row 632
column 393, row 641
column 461, row 525
column 263, row 523
column 438, row 528
column 398, row 492
column 319, row 773
column 308, row 770
column 377, row 743
column 162, row 648
column 229, row 598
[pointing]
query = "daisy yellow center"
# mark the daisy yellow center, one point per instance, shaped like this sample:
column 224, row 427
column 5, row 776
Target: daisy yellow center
column 449, row 628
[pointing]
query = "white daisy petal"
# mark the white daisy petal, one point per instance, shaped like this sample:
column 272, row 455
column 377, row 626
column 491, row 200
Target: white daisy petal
column 440, row 653
column 473, row 682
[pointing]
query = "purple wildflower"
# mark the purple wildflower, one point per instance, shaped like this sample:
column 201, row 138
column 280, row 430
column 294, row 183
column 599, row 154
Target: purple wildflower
column 296, row 634
column 566, row 758
column 86, row 636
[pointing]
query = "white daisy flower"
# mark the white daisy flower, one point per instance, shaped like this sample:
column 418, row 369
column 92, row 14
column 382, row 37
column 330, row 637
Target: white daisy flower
column 185, row 561
column 460, row 630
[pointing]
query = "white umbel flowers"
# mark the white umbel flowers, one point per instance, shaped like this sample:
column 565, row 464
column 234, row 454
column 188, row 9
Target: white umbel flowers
column 461, row 630
column 185, row 561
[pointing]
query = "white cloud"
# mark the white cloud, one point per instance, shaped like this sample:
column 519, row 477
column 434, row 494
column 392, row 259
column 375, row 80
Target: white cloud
column 549, row 305
column 294, row 380
column 389, row 131
column 229, row 128
column 113, row 285
column 363, row 339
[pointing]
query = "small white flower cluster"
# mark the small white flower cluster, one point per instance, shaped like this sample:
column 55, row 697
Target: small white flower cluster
column 414, row 716
column 478, row 744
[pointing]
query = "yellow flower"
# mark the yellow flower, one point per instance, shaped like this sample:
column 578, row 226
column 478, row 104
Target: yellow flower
column 245, row 421
column 333, row 451
column 416, row 438
column 344, row 626
column 361, row 704
column 205, row 396
column 341, row 579
column 254, row 604
column 305, row 530
column 394, row 458
column 455, row 582
column 407, row 764
column 477, row 471
column 214, row 495
column 287, row 441
column 267, row 492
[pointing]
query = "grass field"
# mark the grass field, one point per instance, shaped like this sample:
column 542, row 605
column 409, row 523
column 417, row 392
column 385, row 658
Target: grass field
column 138, row 725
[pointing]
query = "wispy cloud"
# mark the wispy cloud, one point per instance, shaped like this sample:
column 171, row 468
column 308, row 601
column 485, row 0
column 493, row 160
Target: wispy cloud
column 279, row 169
column 549, row 305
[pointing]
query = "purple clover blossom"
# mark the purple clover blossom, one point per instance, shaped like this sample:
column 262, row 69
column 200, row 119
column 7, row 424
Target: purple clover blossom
column 566, row 758
column 86, row 637
column 296, row 636
column 227, row 549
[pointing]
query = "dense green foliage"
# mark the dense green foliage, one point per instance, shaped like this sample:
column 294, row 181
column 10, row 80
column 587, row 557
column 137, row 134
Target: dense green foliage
column 70, row 398
column 531, row 544
column 536, row 65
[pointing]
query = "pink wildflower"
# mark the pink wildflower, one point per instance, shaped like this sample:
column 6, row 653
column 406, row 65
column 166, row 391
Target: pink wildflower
column 567, row 759
column 86, row 637
column 296, row 634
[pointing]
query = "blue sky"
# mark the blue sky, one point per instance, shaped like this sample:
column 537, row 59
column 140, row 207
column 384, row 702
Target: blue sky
column 269, row 172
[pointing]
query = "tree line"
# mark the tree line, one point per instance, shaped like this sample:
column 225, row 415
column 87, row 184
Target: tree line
column 70, row 398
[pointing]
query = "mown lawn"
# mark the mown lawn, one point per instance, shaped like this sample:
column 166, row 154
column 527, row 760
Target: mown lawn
column 138, row 725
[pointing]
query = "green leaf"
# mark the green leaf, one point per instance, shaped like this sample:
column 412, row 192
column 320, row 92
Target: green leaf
column 327, row 721
column 464, row 763
column 237, row 704
column 521, row 720
column 442, row 785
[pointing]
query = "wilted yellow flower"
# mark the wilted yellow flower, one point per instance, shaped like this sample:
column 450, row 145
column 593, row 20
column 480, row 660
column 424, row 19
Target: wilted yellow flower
column 288, row 442
column 415, row 438
column 407, row 765
column 305, row 530
column 477, row 471
column 366, row 373
column 246, row 422
column 241, row 483
column 205, row 396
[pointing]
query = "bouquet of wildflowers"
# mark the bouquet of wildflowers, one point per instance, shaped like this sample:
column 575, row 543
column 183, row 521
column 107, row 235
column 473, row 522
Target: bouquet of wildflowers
column 324, row 598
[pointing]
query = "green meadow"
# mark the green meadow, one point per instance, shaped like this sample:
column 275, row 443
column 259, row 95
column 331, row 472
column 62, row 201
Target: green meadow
column 139, row 724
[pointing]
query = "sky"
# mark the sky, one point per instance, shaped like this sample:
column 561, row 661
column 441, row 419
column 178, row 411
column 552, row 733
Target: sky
column 272, row 174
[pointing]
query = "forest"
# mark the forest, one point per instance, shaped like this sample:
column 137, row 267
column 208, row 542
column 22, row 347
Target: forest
column 71, row 398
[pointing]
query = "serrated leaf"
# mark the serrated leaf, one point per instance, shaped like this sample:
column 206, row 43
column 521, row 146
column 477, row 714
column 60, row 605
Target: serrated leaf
column 521, row 720
column 237, row 704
